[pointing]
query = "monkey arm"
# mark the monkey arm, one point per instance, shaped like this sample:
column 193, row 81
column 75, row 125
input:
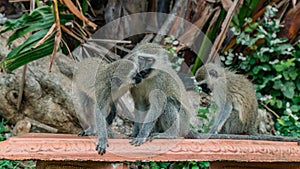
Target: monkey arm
column 101, row 111
column 139, row 116
column 221, row 117
column 101, row 130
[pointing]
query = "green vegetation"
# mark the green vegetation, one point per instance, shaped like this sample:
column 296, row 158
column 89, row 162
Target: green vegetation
column 40, row 23
column 274, row 65
column 3, row 129
column 176, row 165
column 7, row 164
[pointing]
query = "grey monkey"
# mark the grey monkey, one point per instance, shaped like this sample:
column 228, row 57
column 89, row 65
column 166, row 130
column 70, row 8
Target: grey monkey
column 237, row 107
column 98, row 90
column 112, row 81
column 234, row 95
column 161, row 109
column 84, row 95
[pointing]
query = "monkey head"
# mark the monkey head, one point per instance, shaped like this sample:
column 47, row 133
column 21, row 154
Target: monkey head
column 208, row 75
column 149, row 56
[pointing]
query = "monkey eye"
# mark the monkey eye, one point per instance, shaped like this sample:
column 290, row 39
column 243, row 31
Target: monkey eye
column 149, row 59
column 141, row 57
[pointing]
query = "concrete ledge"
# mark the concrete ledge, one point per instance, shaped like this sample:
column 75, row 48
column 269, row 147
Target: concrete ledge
column 67, row 147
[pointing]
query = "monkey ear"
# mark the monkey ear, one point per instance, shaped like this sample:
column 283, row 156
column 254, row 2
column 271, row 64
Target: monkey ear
column 213, row 73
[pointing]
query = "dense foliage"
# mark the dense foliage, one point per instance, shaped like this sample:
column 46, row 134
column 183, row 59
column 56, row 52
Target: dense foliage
column 274, row 65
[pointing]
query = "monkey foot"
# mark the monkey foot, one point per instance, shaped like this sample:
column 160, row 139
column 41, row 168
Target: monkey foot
column 138, row 141
column 101, row 146
column 133, row 135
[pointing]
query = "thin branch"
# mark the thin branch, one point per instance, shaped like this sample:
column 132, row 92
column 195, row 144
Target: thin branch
column 73, row 34
column 57, row 38
column 272, row 111
column 110, row 41
column 51, row 30
column 21, row 89
column 225, row 25
column 82, row 30
column 122, row 48
column 69, row 51
column 78, row 14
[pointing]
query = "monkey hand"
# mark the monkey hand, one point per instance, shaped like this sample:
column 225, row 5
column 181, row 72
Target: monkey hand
column 138, row 141
column 87, row 132
column 137, row 78
column 101, row 146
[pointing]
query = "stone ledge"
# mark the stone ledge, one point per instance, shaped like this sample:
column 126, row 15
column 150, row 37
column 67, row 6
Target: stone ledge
column 67, row 147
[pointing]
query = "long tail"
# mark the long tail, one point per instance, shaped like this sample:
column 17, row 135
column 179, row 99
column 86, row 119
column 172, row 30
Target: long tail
column 194, row 135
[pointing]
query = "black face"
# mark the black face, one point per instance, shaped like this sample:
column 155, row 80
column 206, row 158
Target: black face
column 141, row 75
column 145, row 67
column 205, row 88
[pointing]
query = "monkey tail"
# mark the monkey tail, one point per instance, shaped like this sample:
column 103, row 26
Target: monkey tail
column 194, row 135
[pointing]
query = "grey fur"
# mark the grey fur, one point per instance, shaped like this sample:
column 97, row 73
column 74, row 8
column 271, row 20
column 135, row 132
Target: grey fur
column 237, row 107
column 98, row 85
column 161, row 107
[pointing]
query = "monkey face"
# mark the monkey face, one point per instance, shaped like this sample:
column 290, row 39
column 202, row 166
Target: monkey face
column 205, row 88
column 145, row 62
column 141, row 75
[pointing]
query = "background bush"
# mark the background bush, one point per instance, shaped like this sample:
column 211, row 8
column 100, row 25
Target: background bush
column 273, row 64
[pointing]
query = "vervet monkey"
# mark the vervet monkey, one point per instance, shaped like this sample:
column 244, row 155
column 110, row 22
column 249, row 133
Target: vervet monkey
column 84, row 94
column 237, row 107
column 108, row 83
column 234, row 95
column 161, row 107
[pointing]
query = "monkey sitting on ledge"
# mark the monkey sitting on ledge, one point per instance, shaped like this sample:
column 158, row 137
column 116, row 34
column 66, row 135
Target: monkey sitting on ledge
column 237, row 107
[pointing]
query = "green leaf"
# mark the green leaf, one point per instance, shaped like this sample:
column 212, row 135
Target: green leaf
column 27, row 20
column 205, row 163
column 84, row 6
column 34, row 27
column 164, row 165
column 279, row 104
column 297, row 124
column 277, row 84
column 12, row 63
column 281, row 122
column 297, row 82
column 203, row 111
column 65, row 18
column 293, row 73
column 204, row 116
column 285, row 49
column 295, row 108
column 279, row 68
column 288, row 90
column 30, row 42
